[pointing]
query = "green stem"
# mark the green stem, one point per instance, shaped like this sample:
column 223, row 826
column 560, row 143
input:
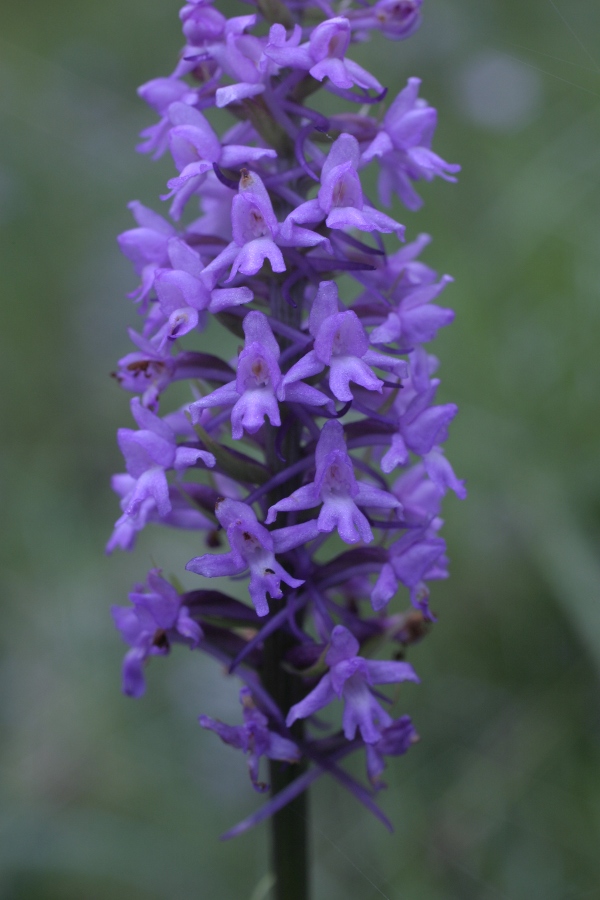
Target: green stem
column 289, row 827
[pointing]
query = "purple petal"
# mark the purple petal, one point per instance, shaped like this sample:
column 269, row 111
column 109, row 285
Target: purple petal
column 343, row 514
column 305, row 497
column 133, row 681
column 384, row 672
column 252, row 256
column 212, row 565
column 385, row 588
column 285, row 539
column 362, row 711
column 324, row 305
column 343, row 646
column 441, row 473
column 233, row 93
column 313, row 702
column 331, row 439
column 257, row 330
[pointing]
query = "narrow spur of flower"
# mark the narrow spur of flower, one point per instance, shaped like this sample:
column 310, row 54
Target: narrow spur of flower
column 336, row 488
column 252, row 547
column 145, row 626
column 349, row 678
column 403, row 147
column 340, row 343
column 340, row 200
column 254, row 393
column 255, row 738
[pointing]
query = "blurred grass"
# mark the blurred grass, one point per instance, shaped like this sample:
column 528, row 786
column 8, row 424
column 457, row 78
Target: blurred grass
column 105, row 797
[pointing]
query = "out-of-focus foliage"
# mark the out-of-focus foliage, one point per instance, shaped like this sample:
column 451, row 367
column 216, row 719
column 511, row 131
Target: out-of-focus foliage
column 101, row 796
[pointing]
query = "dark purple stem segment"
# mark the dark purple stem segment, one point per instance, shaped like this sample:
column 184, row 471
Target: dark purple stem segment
column 289, row 825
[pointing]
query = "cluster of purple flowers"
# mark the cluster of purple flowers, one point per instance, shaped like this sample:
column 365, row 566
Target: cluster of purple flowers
column 282, row 454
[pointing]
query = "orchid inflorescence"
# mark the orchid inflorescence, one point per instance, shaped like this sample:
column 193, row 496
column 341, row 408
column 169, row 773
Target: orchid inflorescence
column 324, row 431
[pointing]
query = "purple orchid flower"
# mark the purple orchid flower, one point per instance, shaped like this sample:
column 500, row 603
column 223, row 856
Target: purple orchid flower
column 324, row 55
column 257, row 235
column 395, row 740
column 156, row 613
column 403, row 147
column 254, row 738
column 159, row 94
column 396, row 19
column 415, row 558
column 148, row 453
column 146, row 246
column 196, row 148
column 215, row 202
column 254, row 392
column 341, row 343
column 336, row 487
column 350, row 678
column 254, row 548
column 241, row 56
column 183, row 294
column 340, row 199
column 416, row 319
column 395, row 276
column 442, row 474
column 180, row 515
column 147, row 371
column 420, row 425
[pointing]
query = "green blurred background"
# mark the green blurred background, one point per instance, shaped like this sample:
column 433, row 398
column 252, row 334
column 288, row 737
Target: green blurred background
column 105, row 797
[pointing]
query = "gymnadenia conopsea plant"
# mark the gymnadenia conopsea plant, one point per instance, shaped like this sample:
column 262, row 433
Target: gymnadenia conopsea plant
column 310, row 466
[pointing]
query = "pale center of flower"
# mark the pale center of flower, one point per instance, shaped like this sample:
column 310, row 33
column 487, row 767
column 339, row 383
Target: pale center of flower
column 336, row 479
column 251, row 544
column 337, row 46
column 339, row 192
column 256, row 223
column 260, row 371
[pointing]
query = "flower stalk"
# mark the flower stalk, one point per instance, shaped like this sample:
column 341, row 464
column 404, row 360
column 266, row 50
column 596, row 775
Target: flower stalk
column 311, row 464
